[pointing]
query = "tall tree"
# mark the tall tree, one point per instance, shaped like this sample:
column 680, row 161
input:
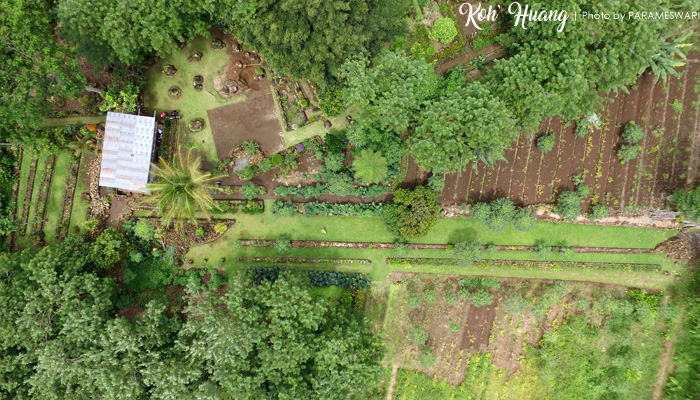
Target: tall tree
column 386, row 94
column 311, row 39
column 463, row 125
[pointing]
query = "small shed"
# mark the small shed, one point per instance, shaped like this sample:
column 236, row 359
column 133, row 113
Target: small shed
column 127, row 151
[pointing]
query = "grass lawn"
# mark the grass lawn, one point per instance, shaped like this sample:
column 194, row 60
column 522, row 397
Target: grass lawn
column 313, row 129
column 73, row 120
column 191, row 104
column 79, row 213
column 55, row 201
column 271, row 226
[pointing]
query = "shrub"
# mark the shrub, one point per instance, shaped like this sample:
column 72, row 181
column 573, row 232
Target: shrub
column 436, row 183
column 304, row 103
column 481, row 298
column 546, row 143
column 108, row 248
column 400, row 249
column 220, row 228
column 502, row 211
column 443, row 30
column 416, row 212
column 431, row 295
column 413, row 300
column 340, row 185
column 282, row 245
column 467, row 253
column 450, row 297
column 251, row 190
column 251, row 147
column 567, row 251
column 276, row 160
column 480, row 212
column 426, row 358
column 478, row 62
column 330, row 100
column 543, row 250
column 334, row 161
column 524, row 220
column 144, row 230
column 246, row 173
column 514, row 304
column 629, row 153
column 688, row 203
column 418, row 335
column 583, row 190
column 633, row 133
column 340, row 279
column 569, row 205
column 598, row 211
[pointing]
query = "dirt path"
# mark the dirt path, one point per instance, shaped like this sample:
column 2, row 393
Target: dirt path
column 665, row 365
column 665, row 368
column 392, row 382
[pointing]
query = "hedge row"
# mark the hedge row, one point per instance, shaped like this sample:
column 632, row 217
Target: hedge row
column 529, row 264
column 325, row 188
column 233, row 206
column 324, row 208
column 317, row 278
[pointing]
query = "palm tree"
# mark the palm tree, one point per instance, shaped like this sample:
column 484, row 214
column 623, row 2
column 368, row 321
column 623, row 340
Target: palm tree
column 181, row 190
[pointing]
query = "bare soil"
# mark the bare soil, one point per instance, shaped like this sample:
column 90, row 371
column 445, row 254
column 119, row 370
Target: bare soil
column 475, row 337
column 253, row 119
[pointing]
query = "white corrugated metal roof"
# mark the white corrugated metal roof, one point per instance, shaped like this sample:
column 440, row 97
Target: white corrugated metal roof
column 126, row 151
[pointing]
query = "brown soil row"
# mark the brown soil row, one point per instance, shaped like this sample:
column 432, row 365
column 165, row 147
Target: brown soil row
column 306, row 260
column 539, row 263
column 68, row 196
column 28, row 197
column 44, row 189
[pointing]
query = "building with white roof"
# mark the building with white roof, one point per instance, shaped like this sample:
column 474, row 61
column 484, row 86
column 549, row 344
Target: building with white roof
column 126, row 151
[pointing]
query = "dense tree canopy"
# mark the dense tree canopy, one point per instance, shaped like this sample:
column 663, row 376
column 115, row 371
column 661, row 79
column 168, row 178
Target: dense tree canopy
column 463, row 125
column 130, row 31
column 34, row 70
column 59, row 338
column 561, row 73
column 312, row 39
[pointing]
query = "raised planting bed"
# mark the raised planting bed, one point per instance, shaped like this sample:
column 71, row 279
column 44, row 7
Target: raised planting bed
column 304, row 260
column 43, row 196
column 71, row 182
column 531, row 264
column 27, row 201
column 318, row 244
